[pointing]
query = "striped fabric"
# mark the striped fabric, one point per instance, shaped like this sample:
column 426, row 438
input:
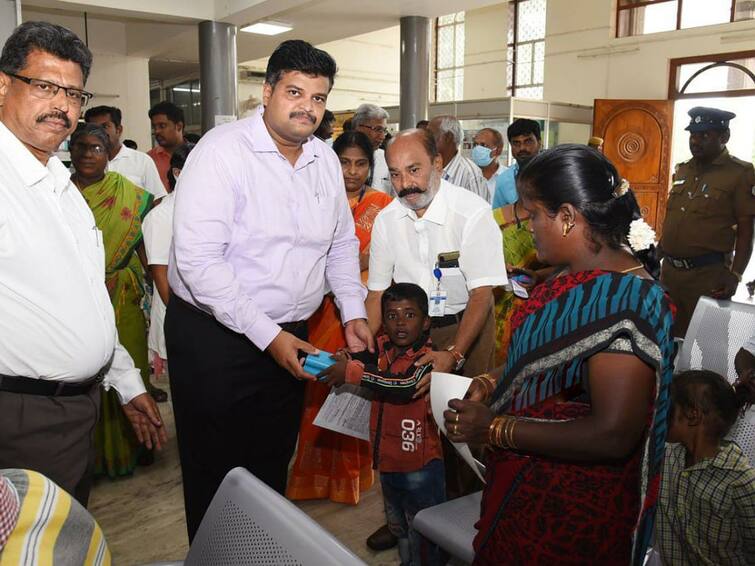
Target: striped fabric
column 706, row 512
column 52, row 529
column 463, row 173
column 561, row 326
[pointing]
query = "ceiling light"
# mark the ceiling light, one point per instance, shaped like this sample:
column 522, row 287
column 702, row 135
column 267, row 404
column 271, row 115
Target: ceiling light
column 267, row 28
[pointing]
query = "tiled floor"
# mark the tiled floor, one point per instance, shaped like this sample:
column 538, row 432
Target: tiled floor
column 143, row 518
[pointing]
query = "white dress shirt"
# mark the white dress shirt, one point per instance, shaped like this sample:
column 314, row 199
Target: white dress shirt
column 140, row 169
column 381, row 177
column 57, row 322
column 462, row 172
column 405, row 248
column 158, row 235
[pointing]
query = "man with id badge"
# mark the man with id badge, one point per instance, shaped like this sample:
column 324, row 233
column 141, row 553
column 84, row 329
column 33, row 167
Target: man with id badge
column 444, row 239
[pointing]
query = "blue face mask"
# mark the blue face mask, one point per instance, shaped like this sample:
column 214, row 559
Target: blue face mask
column 481, row 155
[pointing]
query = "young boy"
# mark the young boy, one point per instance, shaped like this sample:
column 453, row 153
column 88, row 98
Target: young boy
column 405, row 440
column 706, row 509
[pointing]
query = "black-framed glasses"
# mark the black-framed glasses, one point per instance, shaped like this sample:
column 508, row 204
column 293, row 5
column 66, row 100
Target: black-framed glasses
column 376, row 129
column 45, row 90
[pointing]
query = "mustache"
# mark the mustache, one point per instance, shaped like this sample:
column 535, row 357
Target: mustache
column 55, row 116
column 306, row 115
column 410, row 191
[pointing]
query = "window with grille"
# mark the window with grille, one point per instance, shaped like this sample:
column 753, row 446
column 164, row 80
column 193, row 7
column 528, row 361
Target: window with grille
column 449, row 57
column 525, row 53
column 640, row 17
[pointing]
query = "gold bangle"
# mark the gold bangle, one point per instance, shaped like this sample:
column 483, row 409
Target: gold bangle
column 509, row 428
column 495, row 431
column 512, row 444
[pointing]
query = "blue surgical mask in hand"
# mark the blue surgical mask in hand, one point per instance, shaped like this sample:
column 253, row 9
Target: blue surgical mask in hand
column 481, row 155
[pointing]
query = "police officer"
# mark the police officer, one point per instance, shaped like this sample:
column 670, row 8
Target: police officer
column 709, row 215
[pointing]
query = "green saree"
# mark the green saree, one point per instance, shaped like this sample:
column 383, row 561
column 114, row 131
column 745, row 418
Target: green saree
column 518, row 251
column 119, row 207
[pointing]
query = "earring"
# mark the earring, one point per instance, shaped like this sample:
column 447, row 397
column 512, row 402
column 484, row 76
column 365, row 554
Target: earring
column 567, row 228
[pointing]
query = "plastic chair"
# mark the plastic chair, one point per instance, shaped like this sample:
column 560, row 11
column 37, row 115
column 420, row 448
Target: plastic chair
column 450, row 525
column 248, row 523
column 717, row 331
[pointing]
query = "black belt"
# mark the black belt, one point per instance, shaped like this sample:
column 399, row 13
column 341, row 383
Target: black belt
column 697, row 261
column 47, row 388
column 447, row 320
column 290, row 327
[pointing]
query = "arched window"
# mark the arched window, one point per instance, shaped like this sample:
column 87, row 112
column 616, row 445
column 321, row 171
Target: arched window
column 725, row 74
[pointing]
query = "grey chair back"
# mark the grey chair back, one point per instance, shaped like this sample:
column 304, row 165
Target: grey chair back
column 248, row 523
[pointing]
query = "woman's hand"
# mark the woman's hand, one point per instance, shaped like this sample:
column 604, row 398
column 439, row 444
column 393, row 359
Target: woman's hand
column 468, row 421
column 533, row 277
column 476, row 392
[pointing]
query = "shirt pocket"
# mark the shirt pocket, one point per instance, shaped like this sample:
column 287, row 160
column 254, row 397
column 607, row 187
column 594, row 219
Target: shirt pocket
column 708, row 203
column 455, row 284
column 96, row 252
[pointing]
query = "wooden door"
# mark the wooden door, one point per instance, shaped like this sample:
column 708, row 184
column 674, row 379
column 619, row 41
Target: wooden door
column 637, row 139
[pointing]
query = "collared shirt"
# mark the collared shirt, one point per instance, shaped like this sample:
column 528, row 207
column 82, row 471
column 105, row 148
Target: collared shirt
column 405, row 248
column 57, row 322
column 462, row 172
column 381, row 177
column 491, row 183
column 255, row 238
column 704, row 204
column 706, row 513
column 505, row 188
column 161, row 159
column 138, row 168
column 158, row 235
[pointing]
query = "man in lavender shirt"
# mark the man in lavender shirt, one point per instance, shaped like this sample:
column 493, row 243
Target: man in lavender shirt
column 261, row 225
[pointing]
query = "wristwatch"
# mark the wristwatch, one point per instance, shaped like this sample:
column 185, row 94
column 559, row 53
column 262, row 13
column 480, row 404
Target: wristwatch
column 458, row 356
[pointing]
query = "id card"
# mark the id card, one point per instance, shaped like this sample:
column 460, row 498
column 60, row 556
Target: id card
column 437, row 305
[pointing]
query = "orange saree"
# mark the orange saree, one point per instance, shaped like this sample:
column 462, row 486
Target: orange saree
column 329, row 465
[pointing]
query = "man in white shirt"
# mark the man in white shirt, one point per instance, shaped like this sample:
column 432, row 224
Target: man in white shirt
column 457, row 169
column 136, row 166
column 372, row 120
column 436, row 228
column 486, row 151
column 58, row 339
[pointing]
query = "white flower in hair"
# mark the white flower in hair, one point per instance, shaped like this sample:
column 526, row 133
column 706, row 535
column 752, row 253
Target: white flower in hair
column 641, row 235
column 622, row 189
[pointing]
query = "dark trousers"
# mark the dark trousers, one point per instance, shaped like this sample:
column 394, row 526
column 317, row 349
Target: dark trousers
column 234, row 406
column 51, row 435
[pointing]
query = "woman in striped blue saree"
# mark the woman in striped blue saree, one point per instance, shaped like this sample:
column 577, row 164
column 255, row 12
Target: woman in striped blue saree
column 576, row 420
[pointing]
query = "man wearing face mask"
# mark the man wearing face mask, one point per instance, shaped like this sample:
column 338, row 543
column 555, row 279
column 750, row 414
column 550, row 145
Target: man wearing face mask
column 488, row 146
column 524, row 139
column 444, row 239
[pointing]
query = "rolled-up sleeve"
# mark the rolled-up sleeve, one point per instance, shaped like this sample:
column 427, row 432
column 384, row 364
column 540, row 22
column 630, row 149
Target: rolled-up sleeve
column 481, row 256
column 382, row 259
column 202, row 227
column 342, row 264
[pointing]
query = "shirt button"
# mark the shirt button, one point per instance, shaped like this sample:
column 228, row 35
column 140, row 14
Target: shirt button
column 684, row 209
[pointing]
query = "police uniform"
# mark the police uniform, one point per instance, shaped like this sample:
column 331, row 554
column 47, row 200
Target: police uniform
column 699, row 232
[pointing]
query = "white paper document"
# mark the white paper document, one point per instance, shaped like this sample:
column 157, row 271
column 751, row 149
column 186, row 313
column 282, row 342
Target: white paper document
column 346, row 410
column 443, row 388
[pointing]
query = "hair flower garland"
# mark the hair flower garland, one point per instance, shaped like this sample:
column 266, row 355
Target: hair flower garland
column 622, row 189
column 641, row 236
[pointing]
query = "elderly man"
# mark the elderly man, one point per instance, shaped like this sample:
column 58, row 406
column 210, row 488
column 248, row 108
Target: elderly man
column 457, row 169
column 136, row 166
column 371, row 120
column 58, row 338
column 524, row 139
column 261, row 224
column 487, row 149
column 709, row 217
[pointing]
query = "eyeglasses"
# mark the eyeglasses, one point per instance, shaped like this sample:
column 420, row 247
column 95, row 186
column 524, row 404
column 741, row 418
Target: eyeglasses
column 81, row 148
column 45, row 90
column 376, row 129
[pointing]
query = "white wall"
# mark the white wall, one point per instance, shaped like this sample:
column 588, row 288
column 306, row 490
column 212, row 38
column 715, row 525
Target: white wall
column 485, row 52
column 584, row 61
column 368, row 70
column 116, row 79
